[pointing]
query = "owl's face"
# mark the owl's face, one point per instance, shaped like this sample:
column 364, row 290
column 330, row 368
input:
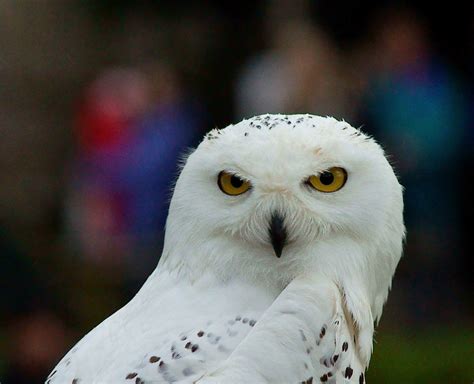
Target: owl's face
column 280, row 194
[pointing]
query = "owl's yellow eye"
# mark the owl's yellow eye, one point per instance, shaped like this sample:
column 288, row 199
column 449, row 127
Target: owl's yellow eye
column 331, row 180
column 232, row 184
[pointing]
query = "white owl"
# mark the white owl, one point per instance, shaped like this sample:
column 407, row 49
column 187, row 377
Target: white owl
column 283, row 235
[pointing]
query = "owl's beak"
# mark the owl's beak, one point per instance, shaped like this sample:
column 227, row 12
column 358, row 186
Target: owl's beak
column 277, row 232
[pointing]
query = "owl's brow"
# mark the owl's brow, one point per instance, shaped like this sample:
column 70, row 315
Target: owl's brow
column 239, row 172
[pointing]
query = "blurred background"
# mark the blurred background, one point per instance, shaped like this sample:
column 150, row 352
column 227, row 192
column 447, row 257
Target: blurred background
column 99, row 99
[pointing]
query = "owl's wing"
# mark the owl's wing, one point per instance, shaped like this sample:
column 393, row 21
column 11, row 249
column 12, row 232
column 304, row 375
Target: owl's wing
column 306, row 336
column 171, row 332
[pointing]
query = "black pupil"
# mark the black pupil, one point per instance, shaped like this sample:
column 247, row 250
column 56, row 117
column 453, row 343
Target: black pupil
column 236, row 181
column 326, row 178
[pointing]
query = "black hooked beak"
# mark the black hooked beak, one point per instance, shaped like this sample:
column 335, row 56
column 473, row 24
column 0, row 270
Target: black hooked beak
column 277, row 233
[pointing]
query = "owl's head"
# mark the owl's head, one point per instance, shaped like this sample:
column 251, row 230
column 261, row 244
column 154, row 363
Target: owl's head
column 276, row 196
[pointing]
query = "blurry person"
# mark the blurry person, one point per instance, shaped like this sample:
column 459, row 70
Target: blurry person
column 96, row 204
column 133, row 126
column 417, row 108
column 302, row 72
column 164, row 135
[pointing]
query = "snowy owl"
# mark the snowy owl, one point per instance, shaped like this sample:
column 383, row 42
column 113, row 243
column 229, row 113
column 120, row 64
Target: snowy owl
column 283, row 235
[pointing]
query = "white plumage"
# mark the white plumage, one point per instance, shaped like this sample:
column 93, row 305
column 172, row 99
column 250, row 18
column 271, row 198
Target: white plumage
column 221, row 307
